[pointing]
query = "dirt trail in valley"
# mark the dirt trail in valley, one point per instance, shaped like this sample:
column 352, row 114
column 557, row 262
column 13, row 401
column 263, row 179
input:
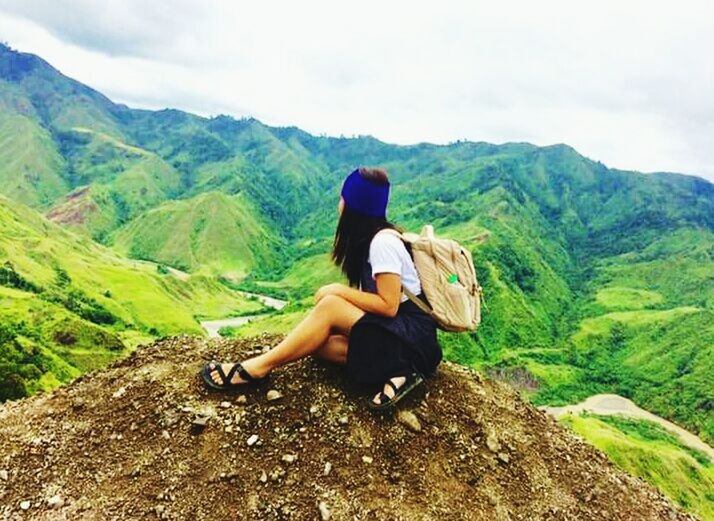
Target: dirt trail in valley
column 609, row 404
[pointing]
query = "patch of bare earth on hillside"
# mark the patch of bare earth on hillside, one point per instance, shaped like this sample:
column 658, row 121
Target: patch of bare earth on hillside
column 75, row 209
column 143, row 439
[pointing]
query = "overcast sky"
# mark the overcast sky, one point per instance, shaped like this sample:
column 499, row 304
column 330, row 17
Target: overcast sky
column 626, row 82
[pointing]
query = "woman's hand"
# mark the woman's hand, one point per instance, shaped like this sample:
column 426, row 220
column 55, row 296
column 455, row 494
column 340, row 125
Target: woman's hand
column 331, row 289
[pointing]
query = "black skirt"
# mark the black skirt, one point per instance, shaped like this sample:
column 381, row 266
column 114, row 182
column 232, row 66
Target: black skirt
column 382, row 347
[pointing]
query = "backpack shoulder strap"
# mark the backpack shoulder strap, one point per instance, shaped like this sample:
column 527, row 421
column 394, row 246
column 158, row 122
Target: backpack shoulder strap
column 407, row 237
column 419, row 303
column 391, row 231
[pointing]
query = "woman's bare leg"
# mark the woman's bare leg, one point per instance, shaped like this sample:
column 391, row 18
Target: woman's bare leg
column 332, row 315
column 334, row 349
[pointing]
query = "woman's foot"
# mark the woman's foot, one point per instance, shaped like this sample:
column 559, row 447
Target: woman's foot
column 389, row 390
column 394, row 390
column 233, row 375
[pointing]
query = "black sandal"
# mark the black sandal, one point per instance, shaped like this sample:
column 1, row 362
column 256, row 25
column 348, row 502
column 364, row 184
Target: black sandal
column 226, row 379
column 385, row 402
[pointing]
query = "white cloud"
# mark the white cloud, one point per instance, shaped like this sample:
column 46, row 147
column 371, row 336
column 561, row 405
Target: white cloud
column 628, row 83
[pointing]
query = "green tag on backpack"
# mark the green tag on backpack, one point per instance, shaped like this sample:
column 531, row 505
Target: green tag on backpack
column 453, row 278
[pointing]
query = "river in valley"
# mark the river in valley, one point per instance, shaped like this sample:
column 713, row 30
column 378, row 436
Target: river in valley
column 213, row 326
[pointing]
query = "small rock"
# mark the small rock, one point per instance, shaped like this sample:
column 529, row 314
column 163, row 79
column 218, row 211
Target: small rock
column 242, row 399
column 344, row 420
column 367, row 459
column 409, row 419
column 159, row 509
column 503, row 456
column 4, row 475
column 327, row 469
column 25, row 505
column 200, row 421
column 78, row 403
column 252, row 440
column 263, row 477
column 228, row 429
column 226, row 405
column 492, row 443
column 119, row 392
column 165, row 434
column 55, row 502
column 314, row 409
column 325, row 513
column 289, row 458
column 273, row 395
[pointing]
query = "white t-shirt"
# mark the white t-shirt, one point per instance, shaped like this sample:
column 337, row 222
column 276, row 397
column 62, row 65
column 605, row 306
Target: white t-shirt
column 387, row 254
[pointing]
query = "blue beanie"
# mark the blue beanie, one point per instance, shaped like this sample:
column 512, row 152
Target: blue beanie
column 365, row 196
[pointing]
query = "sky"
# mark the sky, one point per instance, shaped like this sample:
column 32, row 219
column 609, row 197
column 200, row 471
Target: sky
column 627, row 82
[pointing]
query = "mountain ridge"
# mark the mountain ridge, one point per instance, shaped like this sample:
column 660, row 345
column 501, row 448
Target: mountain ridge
column 6, row 70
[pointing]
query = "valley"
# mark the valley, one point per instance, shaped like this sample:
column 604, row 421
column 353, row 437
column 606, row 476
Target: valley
column 120, row 226
column 213, row 327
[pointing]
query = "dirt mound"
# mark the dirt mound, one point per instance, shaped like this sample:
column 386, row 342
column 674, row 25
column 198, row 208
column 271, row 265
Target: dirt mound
column 128, row 443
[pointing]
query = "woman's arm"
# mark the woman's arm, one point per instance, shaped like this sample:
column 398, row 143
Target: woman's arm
column 384, row 302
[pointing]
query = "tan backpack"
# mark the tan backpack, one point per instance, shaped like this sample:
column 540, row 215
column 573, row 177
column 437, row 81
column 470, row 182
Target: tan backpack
column 448, row 279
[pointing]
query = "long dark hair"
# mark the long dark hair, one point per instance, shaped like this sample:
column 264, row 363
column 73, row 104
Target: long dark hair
column 355, row 232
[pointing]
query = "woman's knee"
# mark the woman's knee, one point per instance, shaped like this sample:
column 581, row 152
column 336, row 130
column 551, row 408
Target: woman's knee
column 329, row 302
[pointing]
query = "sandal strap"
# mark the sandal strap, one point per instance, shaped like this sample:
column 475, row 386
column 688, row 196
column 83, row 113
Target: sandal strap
column 245, row 375
column 408, row 379
column 232, row 372
column 218, row 368
column 383, row 398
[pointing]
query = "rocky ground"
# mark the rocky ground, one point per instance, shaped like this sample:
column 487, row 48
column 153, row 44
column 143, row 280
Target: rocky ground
column 144, row 440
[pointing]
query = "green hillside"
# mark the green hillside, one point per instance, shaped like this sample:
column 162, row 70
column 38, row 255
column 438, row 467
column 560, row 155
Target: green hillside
column 115, row 182
column 68, row 305
column 647, row 450
column 212, row 232
column 30, row 165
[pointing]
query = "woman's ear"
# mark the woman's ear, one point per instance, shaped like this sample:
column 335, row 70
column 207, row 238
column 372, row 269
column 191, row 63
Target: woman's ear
column 340, row 205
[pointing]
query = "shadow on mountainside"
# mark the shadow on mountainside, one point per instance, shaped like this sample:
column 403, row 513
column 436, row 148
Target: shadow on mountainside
column 143, row 439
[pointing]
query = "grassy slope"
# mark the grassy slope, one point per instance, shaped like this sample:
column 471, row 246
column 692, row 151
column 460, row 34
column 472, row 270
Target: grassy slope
column 657, row 349
column 30, row 165
column 212, row 232
column 116, row 182
column 75, row 304
column 648, row 451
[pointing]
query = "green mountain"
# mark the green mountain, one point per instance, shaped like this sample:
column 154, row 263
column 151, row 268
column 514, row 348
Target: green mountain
column 647, row 450
column 212, row 230
column 68, row 304
column 596, row 279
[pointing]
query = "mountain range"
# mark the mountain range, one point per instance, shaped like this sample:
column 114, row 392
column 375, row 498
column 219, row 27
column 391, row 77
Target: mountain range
column 120, row 225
